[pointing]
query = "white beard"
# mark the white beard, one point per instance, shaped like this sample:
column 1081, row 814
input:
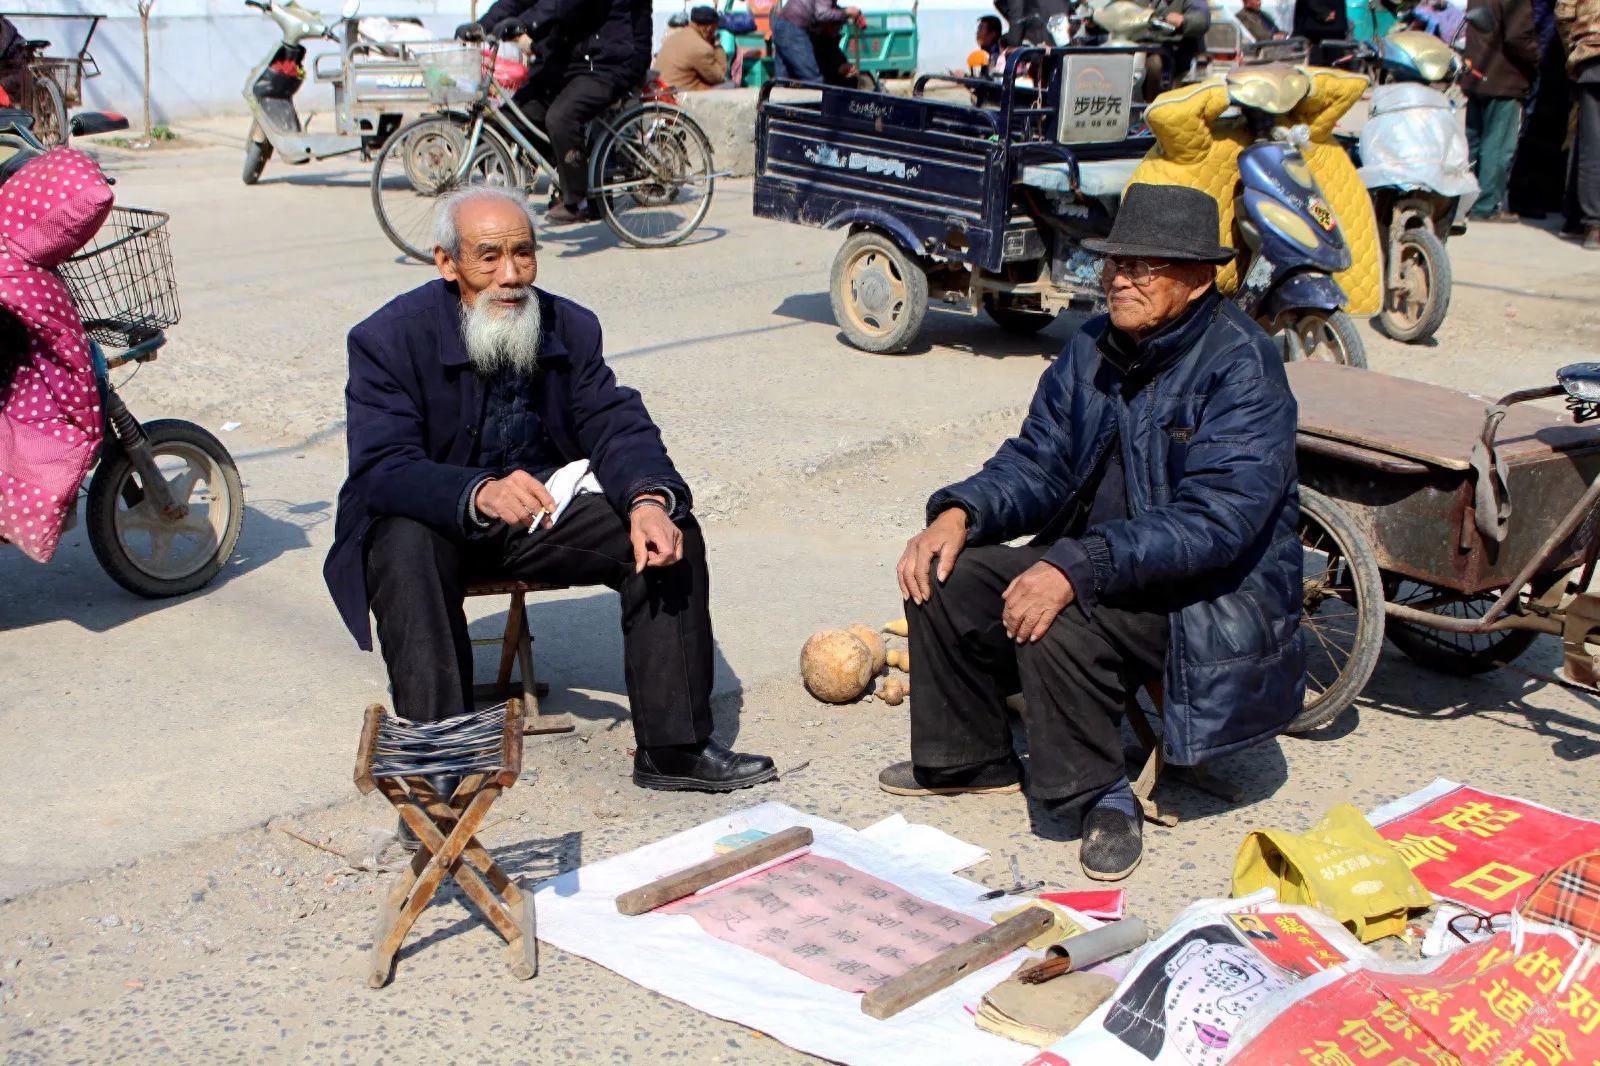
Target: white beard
column 497, row 339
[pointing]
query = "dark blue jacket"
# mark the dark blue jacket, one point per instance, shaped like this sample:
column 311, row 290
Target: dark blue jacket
column 1208, row 454
column 415, row 407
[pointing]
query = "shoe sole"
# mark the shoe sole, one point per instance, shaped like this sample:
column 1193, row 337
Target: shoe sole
column 896, row 790
column 663, row 783
column 1099, row 875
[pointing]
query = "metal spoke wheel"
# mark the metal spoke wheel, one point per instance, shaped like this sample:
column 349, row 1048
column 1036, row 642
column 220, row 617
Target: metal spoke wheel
column 1459, row 654
column 651, row 176
column 157, row 552
column 1341, row 623
column 1331, row 338
column 49, row 107
column 879, row 293
column 422, row 162
column 1419, row 297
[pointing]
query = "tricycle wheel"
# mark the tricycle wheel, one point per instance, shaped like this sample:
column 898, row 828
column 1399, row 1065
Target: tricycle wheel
column 153, row 554
column 1341, row 622
column 1415, row 306
column 879, row 293
column 1331, row 338
column 256, row 153
column 1458, row 654
column 1023, row 321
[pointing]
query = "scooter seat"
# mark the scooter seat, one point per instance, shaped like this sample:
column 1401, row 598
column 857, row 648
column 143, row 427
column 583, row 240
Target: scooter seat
column 1103, row 179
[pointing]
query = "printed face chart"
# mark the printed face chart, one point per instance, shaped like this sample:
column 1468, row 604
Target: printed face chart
column 829, row 921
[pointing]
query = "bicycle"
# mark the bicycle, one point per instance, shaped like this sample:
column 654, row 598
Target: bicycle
column 650, row 165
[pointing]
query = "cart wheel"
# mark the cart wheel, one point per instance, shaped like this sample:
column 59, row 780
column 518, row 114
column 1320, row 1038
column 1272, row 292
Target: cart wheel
column 1415, row 307
column 651, row 175
column 1332, row 338
column 1341, row 623
column 879, row 294
column 421, row 162
column 1458, row 654
column 156, row 555
column 1023, row 321
column 49, row 109
column 256, row 153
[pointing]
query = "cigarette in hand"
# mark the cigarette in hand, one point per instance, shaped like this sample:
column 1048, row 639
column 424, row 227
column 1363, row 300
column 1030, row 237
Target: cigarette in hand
column 533, row 523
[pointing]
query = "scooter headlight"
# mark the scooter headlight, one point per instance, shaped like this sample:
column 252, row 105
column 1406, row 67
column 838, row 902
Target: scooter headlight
column 1287, row 224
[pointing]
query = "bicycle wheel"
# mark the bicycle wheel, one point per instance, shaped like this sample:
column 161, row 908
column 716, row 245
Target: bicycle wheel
column 422, row 162
column 1341, row 619
column 49, row 109
column 650, row 175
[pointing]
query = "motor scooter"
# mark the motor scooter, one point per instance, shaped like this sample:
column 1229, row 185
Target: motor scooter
column 269, row 91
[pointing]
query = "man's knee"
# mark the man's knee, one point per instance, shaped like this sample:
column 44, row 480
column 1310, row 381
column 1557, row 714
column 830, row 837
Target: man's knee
column 397, row 545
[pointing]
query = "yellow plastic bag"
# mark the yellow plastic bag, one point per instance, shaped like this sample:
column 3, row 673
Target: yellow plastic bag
column 1341, row 866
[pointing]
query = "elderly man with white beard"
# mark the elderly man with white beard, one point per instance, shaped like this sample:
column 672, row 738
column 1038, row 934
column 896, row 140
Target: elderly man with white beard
column 464, row 396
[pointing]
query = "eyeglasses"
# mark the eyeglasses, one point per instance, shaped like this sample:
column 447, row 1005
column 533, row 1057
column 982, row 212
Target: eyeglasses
column 1469, row 927
column 1139, row 271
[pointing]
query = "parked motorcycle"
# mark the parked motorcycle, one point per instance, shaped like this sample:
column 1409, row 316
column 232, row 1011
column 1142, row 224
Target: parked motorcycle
column 165, row 503
column 1413, row 159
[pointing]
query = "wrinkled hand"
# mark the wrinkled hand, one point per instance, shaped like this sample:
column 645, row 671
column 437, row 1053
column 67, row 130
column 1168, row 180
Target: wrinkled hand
column 657, row 540
column 1173, row 19
column 1033, row 601
column 515, row 499
column 944, row 540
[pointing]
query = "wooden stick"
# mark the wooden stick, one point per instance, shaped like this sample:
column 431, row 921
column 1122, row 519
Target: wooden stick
column 664, row 890
column 948, row 967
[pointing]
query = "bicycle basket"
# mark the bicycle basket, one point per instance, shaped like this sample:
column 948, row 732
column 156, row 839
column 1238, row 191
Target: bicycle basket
column 122, row 283
column 453, row 76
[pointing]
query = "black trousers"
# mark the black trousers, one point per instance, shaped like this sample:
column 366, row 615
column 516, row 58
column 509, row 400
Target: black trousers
column 415, row 580
column 564, row 111
column 1586, row 152
column 1077, row 679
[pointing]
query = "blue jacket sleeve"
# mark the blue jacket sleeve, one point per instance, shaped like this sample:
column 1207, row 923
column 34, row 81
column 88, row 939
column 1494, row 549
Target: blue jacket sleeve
column 1020, row 488
column 615, row 431
column 1238, row 466
column 384, row 428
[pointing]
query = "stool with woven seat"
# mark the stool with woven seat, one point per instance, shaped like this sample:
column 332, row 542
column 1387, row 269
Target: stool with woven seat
column 516, row 647
column 397, row 758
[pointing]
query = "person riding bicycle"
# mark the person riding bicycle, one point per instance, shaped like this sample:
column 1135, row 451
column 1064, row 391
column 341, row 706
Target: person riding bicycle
column 587, row 55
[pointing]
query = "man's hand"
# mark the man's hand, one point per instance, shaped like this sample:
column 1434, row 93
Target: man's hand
column 1033, row 601
column 1173, row 19
column 657, row 540
column 515, row 499
column 943, row 539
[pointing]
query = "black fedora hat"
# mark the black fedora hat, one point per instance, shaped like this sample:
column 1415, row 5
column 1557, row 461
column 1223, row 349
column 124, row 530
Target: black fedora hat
column 1164, row 222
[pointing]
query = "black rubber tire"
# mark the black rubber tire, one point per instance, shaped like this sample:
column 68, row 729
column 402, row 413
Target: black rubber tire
column 50, row 123
column 1020, row 321
column 1434, row 262
column 1323, row 524
column 1436, row 650
column 1337, row 339
column 900, row 327
column 256, row 154
column 106, row 488
column 491, row 152
column 606, row 146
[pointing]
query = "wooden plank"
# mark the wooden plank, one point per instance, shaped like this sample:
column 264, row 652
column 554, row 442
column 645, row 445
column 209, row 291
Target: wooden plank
column 369, row 740
column 511, row 745
column 948, row 967
column 686, row 882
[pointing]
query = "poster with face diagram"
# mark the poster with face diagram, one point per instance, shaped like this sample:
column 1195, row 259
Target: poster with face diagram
column 1184, row 999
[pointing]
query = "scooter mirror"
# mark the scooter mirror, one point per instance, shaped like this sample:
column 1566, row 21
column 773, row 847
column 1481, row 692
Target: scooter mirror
column 351, row 9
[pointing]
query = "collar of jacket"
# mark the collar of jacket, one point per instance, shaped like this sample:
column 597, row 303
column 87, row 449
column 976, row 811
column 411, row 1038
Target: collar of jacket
column 1163, row 347
column 453, row 350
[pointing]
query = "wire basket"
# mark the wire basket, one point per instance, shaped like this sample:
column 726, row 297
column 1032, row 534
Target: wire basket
column 122, row 283
column 453, row 76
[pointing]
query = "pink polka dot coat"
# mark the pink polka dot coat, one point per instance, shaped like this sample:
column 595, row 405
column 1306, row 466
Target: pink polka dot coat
column 50, row 424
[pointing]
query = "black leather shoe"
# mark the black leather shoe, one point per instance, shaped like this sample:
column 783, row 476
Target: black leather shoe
column 707, row 767
column 1112, row 844
column 445, row 785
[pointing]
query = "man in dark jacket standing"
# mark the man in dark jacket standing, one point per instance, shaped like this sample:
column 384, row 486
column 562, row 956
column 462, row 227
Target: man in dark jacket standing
column 587, row 54
column 1503, row 62
column 1156, row 474
column 465, row 395
column 1319, row 21
column 1579, row 21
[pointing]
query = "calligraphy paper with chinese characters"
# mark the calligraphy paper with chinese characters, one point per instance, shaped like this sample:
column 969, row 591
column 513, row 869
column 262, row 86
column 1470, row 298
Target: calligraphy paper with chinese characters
column 829, row 921
column 1486, row 851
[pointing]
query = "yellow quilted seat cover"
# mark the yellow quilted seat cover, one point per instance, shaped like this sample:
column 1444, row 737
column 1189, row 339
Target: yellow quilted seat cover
column 1190, row 152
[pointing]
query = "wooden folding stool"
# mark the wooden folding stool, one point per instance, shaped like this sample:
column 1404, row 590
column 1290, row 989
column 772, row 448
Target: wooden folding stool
column 1155, row 762
column 516, row 648
column 397, row 758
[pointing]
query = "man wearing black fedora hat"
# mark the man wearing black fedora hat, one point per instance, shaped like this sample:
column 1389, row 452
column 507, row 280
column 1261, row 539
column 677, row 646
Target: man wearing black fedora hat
column 1155, row 475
